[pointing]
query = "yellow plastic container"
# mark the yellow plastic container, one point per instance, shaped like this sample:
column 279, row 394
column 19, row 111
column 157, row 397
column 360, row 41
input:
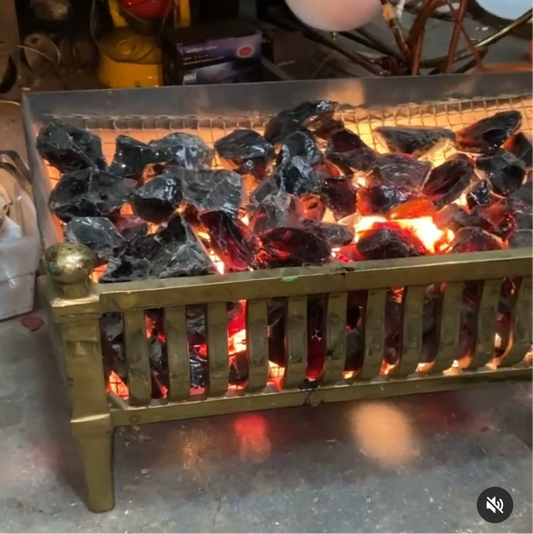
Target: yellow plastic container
column 127, row 59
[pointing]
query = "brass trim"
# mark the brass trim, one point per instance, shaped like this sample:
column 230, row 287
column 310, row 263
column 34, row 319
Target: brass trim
column 378, row 388
column 412, row 330
column 217, row 351
column 296, row 343
column 257, row 344
column 179, row 370
column 450, row 327
column 521, row 324
column 335, row 337
column 487, row 313
column 303, row 281
column 374, row 333
column 137, row 358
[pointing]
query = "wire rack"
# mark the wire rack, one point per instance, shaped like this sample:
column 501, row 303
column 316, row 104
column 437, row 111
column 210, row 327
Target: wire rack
column 451, row 114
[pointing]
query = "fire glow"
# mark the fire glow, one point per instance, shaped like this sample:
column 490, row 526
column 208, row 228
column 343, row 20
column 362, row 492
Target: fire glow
column 424, row 228
column 439, row 180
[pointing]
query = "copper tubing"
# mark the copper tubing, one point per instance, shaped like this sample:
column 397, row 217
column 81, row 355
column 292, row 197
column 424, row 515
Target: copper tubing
column 419, row 24
column 415, row 38
column 472, row 63
column 457, row 29
column 488, row 41
column 467, row 66
column 476, row 52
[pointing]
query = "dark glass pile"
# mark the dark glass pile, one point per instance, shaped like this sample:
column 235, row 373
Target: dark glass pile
column 300, row 186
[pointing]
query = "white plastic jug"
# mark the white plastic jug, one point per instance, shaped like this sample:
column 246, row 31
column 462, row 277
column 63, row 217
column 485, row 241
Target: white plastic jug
column 19, row 243
column 335, row 15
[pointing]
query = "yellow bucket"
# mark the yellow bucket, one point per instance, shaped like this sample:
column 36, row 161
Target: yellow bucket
column 127, row 59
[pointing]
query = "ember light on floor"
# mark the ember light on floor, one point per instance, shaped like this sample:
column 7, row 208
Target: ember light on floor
column 374, row 258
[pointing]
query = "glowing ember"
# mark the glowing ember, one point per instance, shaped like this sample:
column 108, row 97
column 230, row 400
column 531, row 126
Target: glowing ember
column 338, row 194
column 424, row 228
column 117, row 385
column 436, row 240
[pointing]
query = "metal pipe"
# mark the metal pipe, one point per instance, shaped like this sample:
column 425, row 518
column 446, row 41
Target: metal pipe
column 389, row 13
column 463, row 68
column 416, row 35
column 488, row 41
column 415, row 38
column 419, row 24
column 459, row 16
column 472, row 63
column 495, row 37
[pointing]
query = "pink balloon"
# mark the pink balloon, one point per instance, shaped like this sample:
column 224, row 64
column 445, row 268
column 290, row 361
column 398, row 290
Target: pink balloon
column 335, row 15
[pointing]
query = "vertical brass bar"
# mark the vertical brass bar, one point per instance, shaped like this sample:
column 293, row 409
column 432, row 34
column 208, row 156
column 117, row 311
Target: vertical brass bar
column 257, row 343
column 91, row 419
column 486, row 324
column 178, row 353
column 412, row 330
column 84, row 367
column 217, row 348
column 296, row 344
column 335, row 337
column 521, row 324
column 450, row 324
column 374, row 325
column 97, row 455
column 137, row 360
column 70, row 266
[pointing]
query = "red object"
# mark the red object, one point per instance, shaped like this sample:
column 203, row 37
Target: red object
column 32, row 322
column 146, row 9
column 245, row 51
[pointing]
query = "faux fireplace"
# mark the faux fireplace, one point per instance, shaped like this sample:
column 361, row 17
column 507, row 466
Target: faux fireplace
column 248, row 310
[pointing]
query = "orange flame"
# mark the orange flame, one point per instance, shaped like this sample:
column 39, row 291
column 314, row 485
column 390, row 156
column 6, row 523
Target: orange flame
column 434, row 239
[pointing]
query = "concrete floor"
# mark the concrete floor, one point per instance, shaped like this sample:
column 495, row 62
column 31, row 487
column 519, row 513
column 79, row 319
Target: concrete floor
column 412, row 464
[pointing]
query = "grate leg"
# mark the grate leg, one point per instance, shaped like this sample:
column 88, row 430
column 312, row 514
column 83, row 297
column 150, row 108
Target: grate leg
column 97, row 453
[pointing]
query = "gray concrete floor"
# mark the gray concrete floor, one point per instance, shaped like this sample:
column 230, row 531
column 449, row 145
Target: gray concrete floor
column 412, row 464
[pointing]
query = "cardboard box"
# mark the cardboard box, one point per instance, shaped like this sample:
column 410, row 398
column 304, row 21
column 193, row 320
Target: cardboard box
column 222, row 52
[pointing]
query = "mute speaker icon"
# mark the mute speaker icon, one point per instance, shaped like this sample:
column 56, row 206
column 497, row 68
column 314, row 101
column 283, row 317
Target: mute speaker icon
column 494, row 505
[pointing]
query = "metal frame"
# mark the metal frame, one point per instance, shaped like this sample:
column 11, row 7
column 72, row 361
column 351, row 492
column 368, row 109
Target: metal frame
column 76, row 305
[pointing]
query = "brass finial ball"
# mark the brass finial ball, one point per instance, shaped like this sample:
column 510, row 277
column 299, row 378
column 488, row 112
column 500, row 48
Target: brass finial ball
column 69, row 263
